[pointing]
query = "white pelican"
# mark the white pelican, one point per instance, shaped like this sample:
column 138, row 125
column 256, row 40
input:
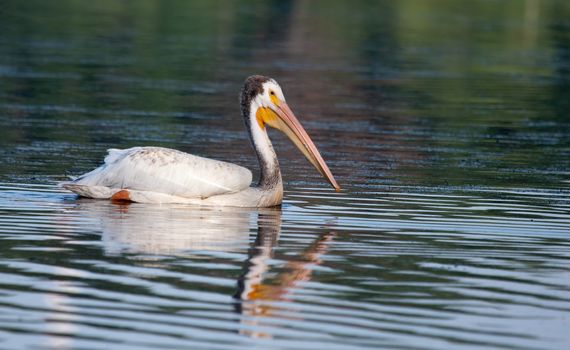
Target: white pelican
column 162, row 175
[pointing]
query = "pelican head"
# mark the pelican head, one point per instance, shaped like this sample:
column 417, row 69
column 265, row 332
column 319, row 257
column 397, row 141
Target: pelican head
column 263, row 104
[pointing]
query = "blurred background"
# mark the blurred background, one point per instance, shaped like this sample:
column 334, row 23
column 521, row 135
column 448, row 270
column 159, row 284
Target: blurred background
column 395, row 92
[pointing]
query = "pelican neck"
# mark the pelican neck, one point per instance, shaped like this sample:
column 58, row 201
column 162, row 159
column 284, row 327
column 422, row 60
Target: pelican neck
column 270, row 176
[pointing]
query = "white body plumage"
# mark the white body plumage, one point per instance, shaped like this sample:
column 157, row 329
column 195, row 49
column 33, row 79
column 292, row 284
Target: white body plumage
column 162, row 175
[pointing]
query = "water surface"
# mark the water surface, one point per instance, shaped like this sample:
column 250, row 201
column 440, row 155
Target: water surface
column 445, row 123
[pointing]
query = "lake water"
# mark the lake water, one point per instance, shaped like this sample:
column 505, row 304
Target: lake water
column 446, row 124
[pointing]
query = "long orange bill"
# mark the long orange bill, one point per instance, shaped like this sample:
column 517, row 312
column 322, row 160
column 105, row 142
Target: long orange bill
column 289, row 124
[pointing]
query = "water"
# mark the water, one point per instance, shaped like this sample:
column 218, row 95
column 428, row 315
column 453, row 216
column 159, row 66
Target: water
column 446, row 123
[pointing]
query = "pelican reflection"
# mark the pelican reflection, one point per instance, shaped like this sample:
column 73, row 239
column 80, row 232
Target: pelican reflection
column 168, row 229
column 172, row 229
column 258, row 292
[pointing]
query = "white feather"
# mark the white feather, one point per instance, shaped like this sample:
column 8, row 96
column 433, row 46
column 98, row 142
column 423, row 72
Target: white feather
column 161, row 170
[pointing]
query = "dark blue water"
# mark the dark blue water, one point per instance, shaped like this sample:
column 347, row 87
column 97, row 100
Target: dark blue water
column 445, row 123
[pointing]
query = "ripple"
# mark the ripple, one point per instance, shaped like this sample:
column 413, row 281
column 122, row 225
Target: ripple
column 431, row 267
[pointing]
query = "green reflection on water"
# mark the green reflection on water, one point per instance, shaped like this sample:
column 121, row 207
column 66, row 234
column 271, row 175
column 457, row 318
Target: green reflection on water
column 460, row 94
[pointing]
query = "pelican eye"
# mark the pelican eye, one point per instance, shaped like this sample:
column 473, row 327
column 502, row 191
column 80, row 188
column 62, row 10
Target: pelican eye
column 273, row 97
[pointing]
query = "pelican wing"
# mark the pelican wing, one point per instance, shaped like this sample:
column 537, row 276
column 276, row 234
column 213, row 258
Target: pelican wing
column 168, row 171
